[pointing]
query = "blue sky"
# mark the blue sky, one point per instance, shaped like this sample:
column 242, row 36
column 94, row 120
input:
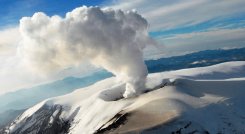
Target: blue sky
column 13, row 10
column 179, row 26
column 236, row 21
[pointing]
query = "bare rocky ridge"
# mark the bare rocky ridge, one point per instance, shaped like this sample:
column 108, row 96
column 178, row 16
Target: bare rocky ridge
column 40, row 122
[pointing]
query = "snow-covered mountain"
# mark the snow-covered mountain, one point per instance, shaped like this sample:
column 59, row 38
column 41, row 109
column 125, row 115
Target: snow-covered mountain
column 198, row 100
column 26, row 98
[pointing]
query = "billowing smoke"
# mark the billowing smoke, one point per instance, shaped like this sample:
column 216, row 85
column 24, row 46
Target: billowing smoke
column 111, row 39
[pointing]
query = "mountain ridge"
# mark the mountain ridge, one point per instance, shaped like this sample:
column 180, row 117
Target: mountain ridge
column 185, row 95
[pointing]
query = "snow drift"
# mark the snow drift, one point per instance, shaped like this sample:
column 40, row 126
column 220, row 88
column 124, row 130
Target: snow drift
column 111, row 39
column 199, row 100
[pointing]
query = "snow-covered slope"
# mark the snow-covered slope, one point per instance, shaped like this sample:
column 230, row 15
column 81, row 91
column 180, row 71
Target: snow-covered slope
column 199, row 100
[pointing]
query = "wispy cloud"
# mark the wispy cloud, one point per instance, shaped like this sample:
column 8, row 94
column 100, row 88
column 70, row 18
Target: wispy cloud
column 196, row 41
column 186, row 25
column 165, row 14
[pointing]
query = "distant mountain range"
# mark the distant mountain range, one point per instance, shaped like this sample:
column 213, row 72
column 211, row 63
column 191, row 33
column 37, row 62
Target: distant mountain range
column 25, row 98
column 197, row 59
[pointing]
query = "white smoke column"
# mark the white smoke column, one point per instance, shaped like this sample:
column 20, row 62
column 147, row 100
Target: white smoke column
column 111, row 39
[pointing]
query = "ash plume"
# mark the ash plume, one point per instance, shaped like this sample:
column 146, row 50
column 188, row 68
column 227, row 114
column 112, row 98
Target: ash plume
column 111, row 39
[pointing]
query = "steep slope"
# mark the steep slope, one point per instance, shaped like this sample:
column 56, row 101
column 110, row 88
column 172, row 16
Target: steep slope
column 204, row 100
column 8, row 116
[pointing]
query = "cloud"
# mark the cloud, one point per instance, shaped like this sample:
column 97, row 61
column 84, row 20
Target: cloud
column 9, row 39
column 165, row 14
column 172, row 21
column 14, row 75
column 160, row 14
column 197, row 41
column 111, row 39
